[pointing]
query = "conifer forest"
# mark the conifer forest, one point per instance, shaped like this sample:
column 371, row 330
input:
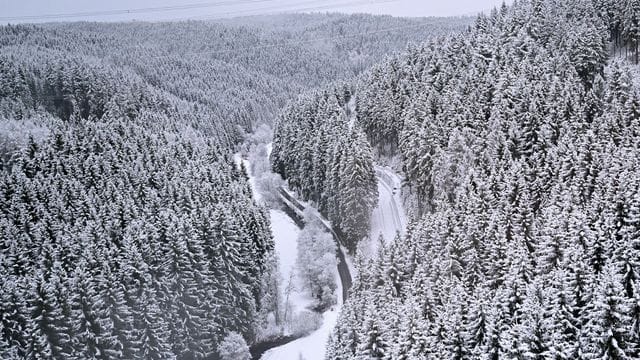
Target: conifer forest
column 313, row 184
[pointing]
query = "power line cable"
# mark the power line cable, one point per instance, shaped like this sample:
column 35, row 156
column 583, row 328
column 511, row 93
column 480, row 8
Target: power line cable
column 132, row 11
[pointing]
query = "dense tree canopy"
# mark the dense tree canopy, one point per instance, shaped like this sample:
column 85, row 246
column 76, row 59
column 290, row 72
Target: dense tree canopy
column 519, row 140
column 320, row 149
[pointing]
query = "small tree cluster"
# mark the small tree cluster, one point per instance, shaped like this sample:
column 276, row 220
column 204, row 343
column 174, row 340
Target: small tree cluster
column 316, row 262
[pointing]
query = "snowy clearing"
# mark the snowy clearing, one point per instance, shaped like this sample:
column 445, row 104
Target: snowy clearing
column 285, row 232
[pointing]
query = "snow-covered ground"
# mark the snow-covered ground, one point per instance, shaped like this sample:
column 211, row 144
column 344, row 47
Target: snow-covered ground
column 389, row 217
column 310, row 347
column 285, row 233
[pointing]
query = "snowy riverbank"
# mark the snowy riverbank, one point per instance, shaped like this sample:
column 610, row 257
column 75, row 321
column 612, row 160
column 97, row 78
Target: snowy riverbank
column 285, row 233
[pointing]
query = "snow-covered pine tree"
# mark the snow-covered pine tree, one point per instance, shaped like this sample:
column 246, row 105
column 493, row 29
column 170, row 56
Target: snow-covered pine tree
column 358, row 193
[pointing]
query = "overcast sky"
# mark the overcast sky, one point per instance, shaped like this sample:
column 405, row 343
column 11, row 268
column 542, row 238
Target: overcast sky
column 15, row 11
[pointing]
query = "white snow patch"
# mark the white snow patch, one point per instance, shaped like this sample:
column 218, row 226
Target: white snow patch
column 313, row 346
column 389, row 217
column 285, row 234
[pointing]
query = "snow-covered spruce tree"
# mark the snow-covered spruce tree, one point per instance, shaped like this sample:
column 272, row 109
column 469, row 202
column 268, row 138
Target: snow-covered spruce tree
column 48, row 331
column 358, row 189
column 606, row 333
column 631, row 26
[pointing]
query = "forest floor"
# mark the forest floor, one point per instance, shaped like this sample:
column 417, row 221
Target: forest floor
column 285, row 232
column 312, row 346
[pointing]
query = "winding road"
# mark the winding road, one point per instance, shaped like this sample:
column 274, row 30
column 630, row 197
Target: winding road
column 387, row 219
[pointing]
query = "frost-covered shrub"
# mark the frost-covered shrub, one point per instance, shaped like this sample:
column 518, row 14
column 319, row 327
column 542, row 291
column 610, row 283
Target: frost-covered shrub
column 317, row 264
column 258, row 156
column 15, row 135
column 268, row 185
column 262, row 135
column 234, row 347
column 305, row 322
column 269, row 329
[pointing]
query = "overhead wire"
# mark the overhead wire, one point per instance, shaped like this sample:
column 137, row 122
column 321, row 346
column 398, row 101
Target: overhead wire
column 84, row 14
column 132, row 11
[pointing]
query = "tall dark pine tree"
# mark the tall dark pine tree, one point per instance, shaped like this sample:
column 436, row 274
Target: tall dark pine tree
column 48, row 330
column 606, row 335
column 358, row 192
column 631, row 26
